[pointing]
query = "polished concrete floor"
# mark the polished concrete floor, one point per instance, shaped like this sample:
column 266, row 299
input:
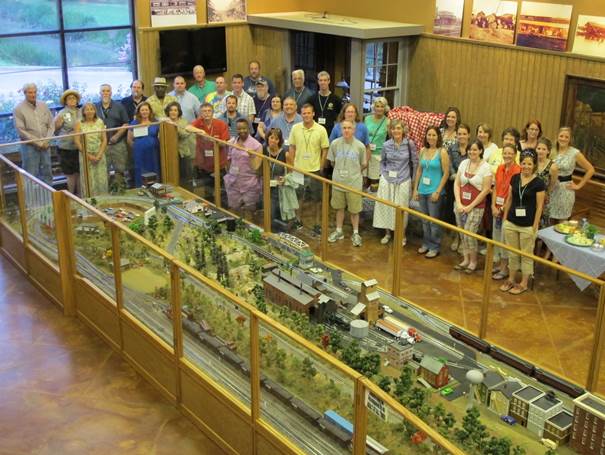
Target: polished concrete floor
column 64, row 391
column 551, row 325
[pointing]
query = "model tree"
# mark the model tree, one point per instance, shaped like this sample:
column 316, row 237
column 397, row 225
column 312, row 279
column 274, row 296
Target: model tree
column 308, row 369
column 93, row 202
column 385, row 383
column 335, row 340
column 168, row 224
column 403, row 383
column 473, row 434
column 156, row 205
column 498, row 446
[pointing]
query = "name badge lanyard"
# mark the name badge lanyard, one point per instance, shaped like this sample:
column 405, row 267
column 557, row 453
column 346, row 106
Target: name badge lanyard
column 521, row 193
column 273, row 163
column 261, row 108
column 322, row 107
column 377, row 129
column 307, row 139
column 299, row 95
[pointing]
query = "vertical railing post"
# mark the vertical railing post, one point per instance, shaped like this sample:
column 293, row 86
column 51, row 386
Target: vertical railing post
column 360, row 415
column 177, row 329
column 325, row 220
column 254, row 374
column 594, row 367
column 22, row 208
column 217, row 174
column 116, row 255
column 85, row 191
column 2, row 195
column 267, row 209
column 397, row 239
column 487, row 281
column 65, row 251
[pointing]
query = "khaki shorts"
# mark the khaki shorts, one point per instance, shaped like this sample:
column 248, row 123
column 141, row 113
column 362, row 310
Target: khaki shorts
column 344, row 199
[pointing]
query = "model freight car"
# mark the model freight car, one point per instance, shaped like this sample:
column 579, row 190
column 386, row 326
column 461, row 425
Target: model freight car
column 471, row 340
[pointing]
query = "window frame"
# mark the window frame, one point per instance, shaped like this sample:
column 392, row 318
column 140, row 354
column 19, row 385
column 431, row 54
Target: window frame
column 63, row 32
column 397, row 89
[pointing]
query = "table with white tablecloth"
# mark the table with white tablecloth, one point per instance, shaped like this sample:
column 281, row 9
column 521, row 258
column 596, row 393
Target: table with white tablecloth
column 582, row 259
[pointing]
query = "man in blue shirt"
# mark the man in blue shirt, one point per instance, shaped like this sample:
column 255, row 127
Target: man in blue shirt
column 190, row 105
column 251, row 80
column 232, row 115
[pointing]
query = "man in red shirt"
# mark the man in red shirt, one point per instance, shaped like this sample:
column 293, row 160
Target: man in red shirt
column 204, row 155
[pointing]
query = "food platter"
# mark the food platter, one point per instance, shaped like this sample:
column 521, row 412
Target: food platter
column 564, row 228
column 579, row 240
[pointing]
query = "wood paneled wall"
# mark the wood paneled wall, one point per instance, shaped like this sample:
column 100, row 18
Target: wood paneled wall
column 501, row 85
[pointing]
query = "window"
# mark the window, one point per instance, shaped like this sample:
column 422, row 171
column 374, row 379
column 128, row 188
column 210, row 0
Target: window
column 60, row 44
column 381, row 73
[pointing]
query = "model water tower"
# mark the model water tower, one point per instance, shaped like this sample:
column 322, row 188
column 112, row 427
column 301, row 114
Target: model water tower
column 359, row 329
column 475, row 377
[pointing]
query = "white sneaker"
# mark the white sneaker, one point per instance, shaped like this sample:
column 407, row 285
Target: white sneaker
column 336, row 235
column 386, row 239
column 356, row 239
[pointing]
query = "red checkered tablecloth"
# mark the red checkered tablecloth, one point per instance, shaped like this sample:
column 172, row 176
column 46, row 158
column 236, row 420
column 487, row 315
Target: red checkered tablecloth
column 416, row 121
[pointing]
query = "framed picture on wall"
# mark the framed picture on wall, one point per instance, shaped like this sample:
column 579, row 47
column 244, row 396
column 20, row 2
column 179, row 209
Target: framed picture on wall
column 590, row 36
column 584, row 110
column 494, row 20
column 226, row 10
column 544, row 25
column 166, row 13
column 448, row 17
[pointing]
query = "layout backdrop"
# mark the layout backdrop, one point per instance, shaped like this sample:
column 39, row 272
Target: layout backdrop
column 226, row 10
column 448, row 17
column 168, row 12
column 494, row 20
column 590, row 36
column 544, row 25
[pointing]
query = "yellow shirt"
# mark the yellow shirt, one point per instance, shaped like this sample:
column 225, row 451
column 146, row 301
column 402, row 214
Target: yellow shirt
column 308, row 142
column 495, row 160
column 158, row 106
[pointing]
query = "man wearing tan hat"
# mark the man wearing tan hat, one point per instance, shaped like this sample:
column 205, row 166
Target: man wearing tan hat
column 159, row 100
column 65, row 123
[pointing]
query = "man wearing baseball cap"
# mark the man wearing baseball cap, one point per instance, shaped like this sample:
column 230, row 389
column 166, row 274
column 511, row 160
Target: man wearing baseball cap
column 159, row 100
column 262, row 102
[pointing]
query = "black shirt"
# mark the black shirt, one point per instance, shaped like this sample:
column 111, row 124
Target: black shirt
column 113, row 117
column 524, row 197
column 327, row 107
column 275, row 169
column 131, row 106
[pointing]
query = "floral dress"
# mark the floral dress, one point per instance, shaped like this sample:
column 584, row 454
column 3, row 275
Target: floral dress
column 562, row 199
column 97, row 171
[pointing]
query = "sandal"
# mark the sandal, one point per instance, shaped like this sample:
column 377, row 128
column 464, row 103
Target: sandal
column 507, row 286
column 516, row 290
column 499, row 275
column 470, row 271
column 460, row 267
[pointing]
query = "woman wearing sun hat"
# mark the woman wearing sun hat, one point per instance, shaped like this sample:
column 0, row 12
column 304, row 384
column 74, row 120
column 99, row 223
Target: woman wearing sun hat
column 65, row 123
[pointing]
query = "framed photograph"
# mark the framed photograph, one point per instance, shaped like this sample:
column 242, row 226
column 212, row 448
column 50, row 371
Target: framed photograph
column 584, row 110
column 544, row 25
column 590, row 36
column 226, row 10
column 169, row 12
column 448, row 17
column 494, row 20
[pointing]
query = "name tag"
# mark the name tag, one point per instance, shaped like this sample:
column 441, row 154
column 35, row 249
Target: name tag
column 234, row 170
column 520, row 212
column 426, row 181
column 321, row 120
column 272, row 183
column 256, row 119
column 372, row 147
column 141, row 131
column 306, row 157
column 393, row 174
column 466, row 196
column 343, row 173
column 209, row 153
column 499, row 200
column 286, row 143
column 67, row 116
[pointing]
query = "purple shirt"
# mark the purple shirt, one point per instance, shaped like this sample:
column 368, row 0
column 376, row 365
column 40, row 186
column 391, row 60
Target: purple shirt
column 395, row 165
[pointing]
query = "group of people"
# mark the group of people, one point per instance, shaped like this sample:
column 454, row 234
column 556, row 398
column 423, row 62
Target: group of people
column 504, row 192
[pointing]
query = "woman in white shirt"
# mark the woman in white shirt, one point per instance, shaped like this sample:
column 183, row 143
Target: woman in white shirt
column 472, row 185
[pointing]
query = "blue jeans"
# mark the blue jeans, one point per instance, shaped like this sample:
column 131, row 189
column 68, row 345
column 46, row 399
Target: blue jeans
column 431, row 232
column 36, row 162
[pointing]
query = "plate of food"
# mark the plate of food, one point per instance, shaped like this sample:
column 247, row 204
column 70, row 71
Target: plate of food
column 579, row 239
column 565, row 228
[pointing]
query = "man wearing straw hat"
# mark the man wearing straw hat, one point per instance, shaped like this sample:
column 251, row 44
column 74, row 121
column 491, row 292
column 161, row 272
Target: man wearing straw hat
column 33, row 120
column 65, row 123
column 159, row 100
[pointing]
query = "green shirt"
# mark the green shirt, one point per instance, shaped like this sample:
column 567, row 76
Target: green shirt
column 209, row 86
column 347, row 159
column 377, row 132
